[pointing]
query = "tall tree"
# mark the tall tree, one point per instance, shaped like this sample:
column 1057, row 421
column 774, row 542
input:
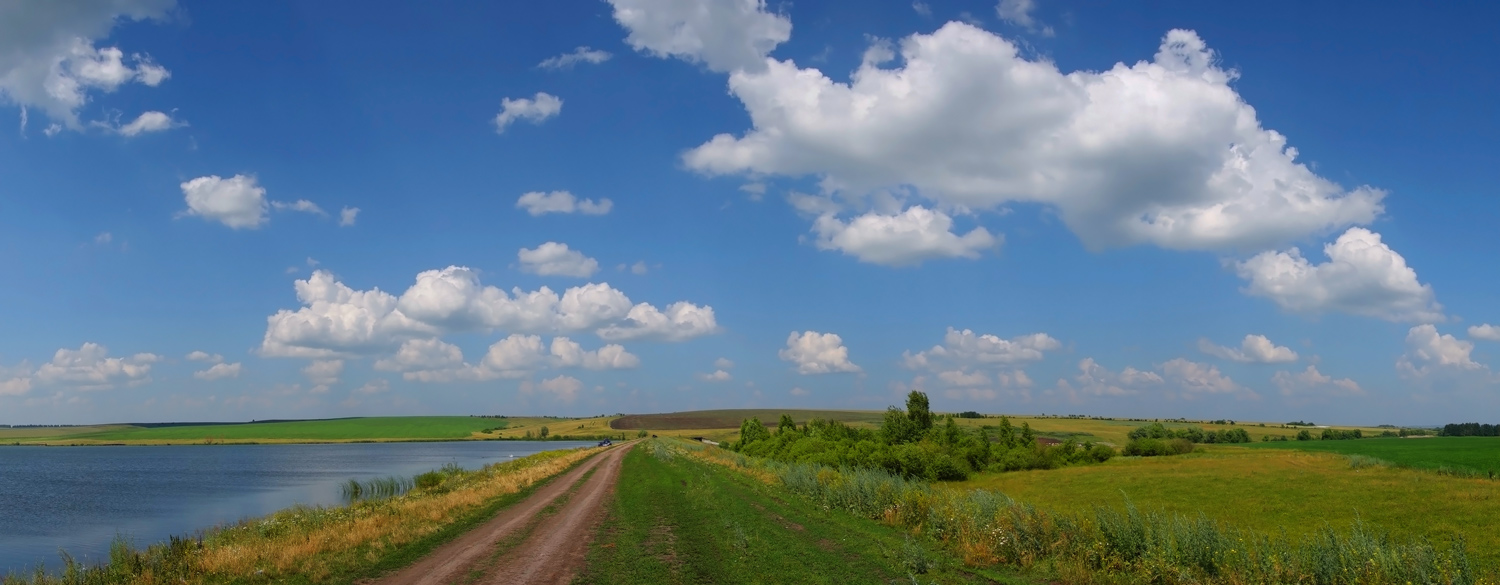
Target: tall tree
column 918, row 410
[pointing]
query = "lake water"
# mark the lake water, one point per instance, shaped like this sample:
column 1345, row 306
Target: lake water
column 79, row 498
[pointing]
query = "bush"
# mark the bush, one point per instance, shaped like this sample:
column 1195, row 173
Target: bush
column 1158, row 447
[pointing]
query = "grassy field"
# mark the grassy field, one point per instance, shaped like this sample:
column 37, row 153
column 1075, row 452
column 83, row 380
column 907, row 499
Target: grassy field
column 1115, row 431
column 677, row 520
column 32, row 433
column 1481, row 454
column 351, row 429
column 1272, row 490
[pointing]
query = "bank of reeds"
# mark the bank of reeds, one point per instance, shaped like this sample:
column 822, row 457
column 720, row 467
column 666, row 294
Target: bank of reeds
column 1118, row 544
column 317, row 544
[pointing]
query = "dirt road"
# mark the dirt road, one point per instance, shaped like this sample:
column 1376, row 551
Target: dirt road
column 532, row 541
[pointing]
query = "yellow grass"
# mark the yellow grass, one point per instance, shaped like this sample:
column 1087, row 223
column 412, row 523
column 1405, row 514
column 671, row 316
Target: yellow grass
column 1115, row 431
column 316, row 542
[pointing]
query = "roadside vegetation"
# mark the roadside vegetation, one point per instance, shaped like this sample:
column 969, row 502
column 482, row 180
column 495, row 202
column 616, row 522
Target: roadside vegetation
column 1118, row 543
column 389, row 524
column 677, row 519
column 913, row 443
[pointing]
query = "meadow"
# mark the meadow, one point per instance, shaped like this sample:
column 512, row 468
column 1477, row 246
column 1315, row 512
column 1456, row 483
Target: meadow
column 1477, row 454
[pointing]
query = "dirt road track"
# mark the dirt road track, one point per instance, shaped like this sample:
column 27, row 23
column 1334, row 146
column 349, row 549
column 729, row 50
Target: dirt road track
column 551, row 553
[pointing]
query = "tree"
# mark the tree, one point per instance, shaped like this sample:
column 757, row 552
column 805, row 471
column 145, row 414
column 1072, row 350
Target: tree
column 919, row 411
column 751, row 430
column 897, row 428
column 1007, row 433
column 786, row 425
column 544, row 432
column 1303, row 435
column 951, row 434
column 1028, row 438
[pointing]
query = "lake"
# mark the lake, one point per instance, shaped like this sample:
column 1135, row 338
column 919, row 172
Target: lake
column 78, row 498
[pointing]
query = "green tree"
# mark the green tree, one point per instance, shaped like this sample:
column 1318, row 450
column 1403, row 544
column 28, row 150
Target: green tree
column 1028, row 438
column 1303, row 435
column 786, row 425
column 951, row 434
column 919, row 411
column 1007, row 433
column 897, row 428
column 751, row 430
column 544, row 432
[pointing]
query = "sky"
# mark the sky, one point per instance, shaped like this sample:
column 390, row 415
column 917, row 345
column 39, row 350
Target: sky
column 232, row 211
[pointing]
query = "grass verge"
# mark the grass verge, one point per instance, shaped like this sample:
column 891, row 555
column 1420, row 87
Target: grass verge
column 675, row 519
column 334, row 545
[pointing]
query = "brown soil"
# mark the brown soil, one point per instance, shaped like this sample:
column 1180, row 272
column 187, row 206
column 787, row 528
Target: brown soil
column 551, row 552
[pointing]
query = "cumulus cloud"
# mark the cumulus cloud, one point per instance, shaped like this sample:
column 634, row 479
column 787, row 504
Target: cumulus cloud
column 562, row 388
column 422, row 354
column 203, row 356
column 1311, row 382
column 516, row 356
column 337, row 321
column 817, row 353
column 347, row 216
column 1019, row 13
column 238, row 202
column 218, row 371
column 1486, row 332
column 535, row 110
column 148, row 122
column 1180, row 377
column 90, row 368
column 966, row 348
column 579, row 55
column 723, row 35
column 48, row 59
column 724, row 364
column 1255, row 349
column 324, row 372
column 1363, row 276
column 555, row 259
column 1195, row 378
column 1094, row 379
column 567, row 353
column 1429, row 352
column 539, row 203
column 905, row 239
column 1161, row 152
column 300, row 206
column 716, row 376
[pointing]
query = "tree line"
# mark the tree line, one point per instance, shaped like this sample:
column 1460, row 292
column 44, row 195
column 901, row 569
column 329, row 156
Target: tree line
column 1470, row 430
column 914, row 443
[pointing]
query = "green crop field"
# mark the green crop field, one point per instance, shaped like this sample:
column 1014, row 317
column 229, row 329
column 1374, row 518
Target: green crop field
column 1272, row 490
column 350, row 429
column 1481, row 454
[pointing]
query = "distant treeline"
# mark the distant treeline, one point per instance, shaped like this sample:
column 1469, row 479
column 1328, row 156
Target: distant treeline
column 1193, row 434
column 1471, row 430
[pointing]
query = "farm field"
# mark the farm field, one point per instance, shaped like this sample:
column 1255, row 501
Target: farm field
column 1115, row 431
column 730, row 419
column 350, row 429
column 26, row 433
column 1271, row 490
column 1481, row 454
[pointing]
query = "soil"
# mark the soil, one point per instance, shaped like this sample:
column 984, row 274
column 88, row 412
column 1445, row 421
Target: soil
column 552, row 551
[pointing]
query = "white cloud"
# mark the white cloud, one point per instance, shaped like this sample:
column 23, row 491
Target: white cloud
column 218, row 371
column 149, row 122
column 904, row 239
column 1486, row 332
column 1362, row 276
column 376, row 386
column 680, row 322
column 922, row 8
column 104, row 238
column 724, row 35
column 15, row 381
column 1163, row 152
column 237, row 202
column 1096, row 380
column 535, row 110
column 817, row 353
column 1429, row 352
column 562, row 388
column 422, row 354
column 639, row 268
column 1255, row 349
column 579, row 55
column 300, row 205
column 48, row 59
column 962, row 378
column 1019, row 13
column 756, row 190
column 90, row 368
column 716, row 376
column 966, row 348
column 336, row 320
column 1313, row 382
column 203, row 356
column 324, row 372
column 538, row 203
column 567, row 353
column 347, row 216
column 555, row 259
column 1198, row 378
column 724, row 364
column 798, row 391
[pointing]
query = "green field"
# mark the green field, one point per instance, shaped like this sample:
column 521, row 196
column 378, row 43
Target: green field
column 349, row 429
column 677, row 520
column 1481, row 454
column 1272, row 491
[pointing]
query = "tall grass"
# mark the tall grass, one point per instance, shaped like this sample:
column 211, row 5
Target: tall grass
column 1119, row 544
column 316, row 544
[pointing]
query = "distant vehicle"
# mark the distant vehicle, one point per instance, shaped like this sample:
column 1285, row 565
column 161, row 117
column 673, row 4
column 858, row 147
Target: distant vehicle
column 606, row 443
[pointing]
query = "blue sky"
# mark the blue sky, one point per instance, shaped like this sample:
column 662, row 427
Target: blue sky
column 288, row 210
